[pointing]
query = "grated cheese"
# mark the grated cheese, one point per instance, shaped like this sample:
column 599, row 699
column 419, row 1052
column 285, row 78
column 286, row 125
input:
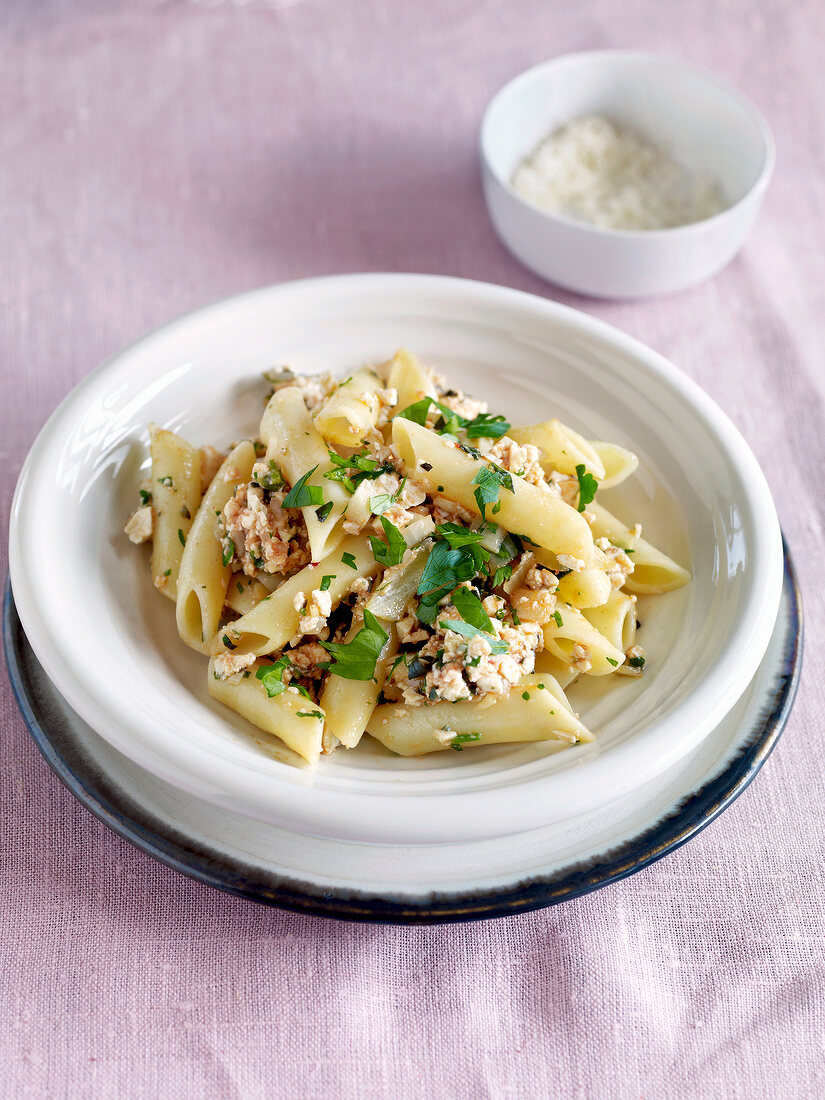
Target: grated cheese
column 595, row 170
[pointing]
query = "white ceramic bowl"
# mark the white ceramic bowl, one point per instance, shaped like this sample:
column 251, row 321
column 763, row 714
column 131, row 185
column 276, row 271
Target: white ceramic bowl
column 108, row 641
column 697, row 117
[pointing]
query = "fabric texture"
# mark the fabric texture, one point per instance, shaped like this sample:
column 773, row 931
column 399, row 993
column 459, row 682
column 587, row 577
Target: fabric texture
column 156, row 156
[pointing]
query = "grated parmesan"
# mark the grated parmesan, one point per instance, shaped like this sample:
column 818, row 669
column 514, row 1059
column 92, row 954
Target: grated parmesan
column 595, row 170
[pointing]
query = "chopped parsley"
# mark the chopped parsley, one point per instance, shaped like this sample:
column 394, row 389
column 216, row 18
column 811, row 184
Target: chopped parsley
column 516, row 619
column 446, row 568
column 349, row 559
column 167, row 481
column 272, row 676
column 271, row 478
column 471, row 610
column 587, row 486
column 392, row 551
column 611, row 661
column 311, row 714
column 167, row 572
column 450, row 423
column 503, row 573
column 489, row 482
column 355, row 469
column 525, row 695
column 227, row 641
column 558, row 619
column 380, row 503
column 228, row 553
column 458, row 536
column 301, row 495
column 145, row 498
column 181, row 537
column 487, row 426
column 417, row 412
column 463, row 739
column 356, row 659
column 184, row 511
column 468, row 631
column 323, row 512
column 636, row 662
column 327, row 581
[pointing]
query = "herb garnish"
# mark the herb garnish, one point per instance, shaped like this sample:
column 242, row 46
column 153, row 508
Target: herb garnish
column 323, row 512
column 301, row 495
column 487, row 426
column 392, row 551
column 356, row 659
column 228, row 552
column 272, row 676
column 463, row 739
column 636, row 662
column 349, row 559
column 559, row 621
column 167, row 481
column 611, row 661
column 489, row 482
column 470, row 608
column 380, row 503
column 181, row 537
column 145, row 498
column 469, row 632
column 271, row 478
column 457, row 536
column 587, row 487
column 446, row 568
column 355, row 469
column 310, row 714
column 327, row 581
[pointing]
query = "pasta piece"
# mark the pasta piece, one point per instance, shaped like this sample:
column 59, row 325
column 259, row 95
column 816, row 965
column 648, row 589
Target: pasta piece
column 298, row 722
column 351, row 411
column 548, row 665
column 618, row 463
column 575, row 641
column 204, row 578
column 545, row 715
column 295, row 446
column 245, row 593
column 409, row 379
column 176, row 492
column 653, row 571
column 562, row 448
column 269, row 626
column 615, row 620
column 348, row 704
column 588, row 588
column 536, row 513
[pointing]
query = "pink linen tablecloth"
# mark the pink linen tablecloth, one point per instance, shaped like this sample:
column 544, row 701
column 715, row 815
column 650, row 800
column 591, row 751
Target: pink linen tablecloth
column 155, row 156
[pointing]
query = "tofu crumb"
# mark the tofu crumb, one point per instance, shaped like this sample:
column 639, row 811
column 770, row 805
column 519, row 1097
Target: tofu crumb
column 230, row 666
column 140, row 525
column 567, row 561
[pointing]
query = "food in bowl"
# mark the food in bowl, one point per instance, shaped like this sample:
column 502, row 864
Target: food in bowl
column 390, row 558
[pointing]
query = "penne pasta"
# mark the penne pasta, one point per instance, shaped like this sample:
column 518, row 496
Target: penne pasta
column 561, row 448
column 653, row 571
column 618, row 463
column 409, row 379
column 351, row 411
column 348, row 704
column 176, row 492
column 545, row 715
column 575, row 641
column 615, row 620
column 536, row 514
column 204, row 575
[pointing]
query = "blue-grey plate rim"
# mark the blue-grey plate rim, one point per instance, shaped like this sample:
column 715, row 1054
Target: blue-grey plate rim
column 126, row 818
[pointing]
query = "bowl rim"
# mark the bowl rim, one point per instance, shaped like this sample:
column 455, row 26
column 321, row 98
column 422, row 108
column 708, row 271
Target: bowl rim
column 720, row 83
column 238, row 784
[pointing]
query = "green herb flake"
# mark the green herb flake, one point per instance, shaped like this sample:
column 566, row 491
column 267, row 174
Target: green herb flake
column 458, row 536
column 228, row 552
column 349, row 559
column 636, row 662
column 487, row 426
column 323, row 512
column 469, row 632
column 270, row 479
column 356, row 659
column 489, row 482
column 302, row 495
column 391, row 552
column 272, row 676
column 446, row 568
column 311, row 714
column 525, row 695
column 516, row 619
column 471, row 610
column 327, row 581
column 167, row 572
column 181, row 537
column 558, row 619
column 417, row 412
column 464, row 739
column 610, row 661
column 145, row 498
column 227, row 641
column 167, row 481
column 502, row 574
column 587, row 486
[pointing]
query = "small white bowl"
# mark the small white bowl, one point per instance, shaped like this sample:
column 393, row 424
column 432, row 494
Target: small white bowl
column 698, row 118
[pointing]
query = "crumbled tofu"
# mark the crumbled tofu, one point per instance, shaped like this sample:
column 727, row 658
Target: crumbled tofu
column 619, row 564
column 521, row 459
column 567, row 561
column 313, row 612
column 463, row 405
column 566, row 486
column 231, row 666
column 387, row 400
column 538, row 578
column 139, row 525
column 580, row 658
column 398, row 513
column 211, row 461
column 408, row 627
column 265, row 537
column 450, row 511
column 315, row 388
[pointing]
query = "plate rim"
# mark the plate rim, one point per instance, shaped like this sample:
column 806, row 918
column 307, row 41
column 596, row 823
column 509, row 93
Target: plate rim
column 467, row 291
column 691, row 816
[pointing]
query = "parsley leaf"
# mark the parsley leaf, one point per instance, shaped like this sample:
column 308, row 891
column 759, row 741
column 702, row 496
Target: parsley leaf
column 489, row 481
column 228, row 551
column 463, row 739
column 355, row 469
column 457, row 536
column 356, row 659
column 487, row 426
column 272, row 676
column 301, row 494
column 468, row 631
column 503, row 573
column 349, row 559
column 145, row 498
column 587, row 486
column 380, row 503
column 417, row 412
column 611, row 661
column 327, row 581
column 636, row 662
column 323, row 512
column 310, row 714
column 445, row 569
column 470, row 608
column 558, row 619
column 392, row 551
column 181, row 537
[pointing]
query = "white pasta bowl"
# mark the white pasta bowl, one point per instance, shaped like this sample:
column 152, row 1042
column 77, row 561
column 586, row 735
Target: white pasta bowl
column 108, row 641
column 696, row 117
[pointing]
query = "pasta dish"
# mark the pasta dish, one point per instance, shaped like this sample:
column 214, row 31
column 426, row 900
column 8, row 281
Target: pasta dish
column 390, row 558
